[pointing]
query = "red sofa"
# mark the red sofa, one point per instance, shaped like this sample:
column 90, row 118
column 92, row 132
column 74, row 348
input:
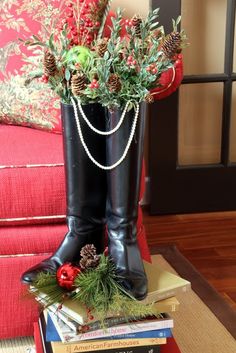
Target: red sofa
column 32, row 217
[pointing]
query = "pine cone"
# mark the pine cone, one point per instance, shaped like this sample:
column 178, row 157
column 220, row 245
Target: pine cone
column 102, row 46
column 149, row 98
column 171, row 44
column 86, row 263
column 78, row 83
column 88, row 251
column 114, row 83
column 136, row 21
column 49, row 63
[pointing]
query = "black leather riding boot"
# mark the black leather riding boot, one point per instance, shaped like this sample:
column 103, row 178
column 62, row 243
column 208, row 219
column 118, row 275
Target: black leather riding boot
column 86, row 190
column 122, row 201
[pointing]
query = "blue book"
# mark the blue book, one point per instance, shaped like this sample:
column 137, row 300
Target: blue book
column 161, row 333
column 53, row 336
column 51, row 331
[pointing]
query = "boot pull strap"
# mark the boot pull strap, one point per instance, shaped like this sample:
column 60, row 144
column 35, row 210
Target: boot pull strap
column 100, row 132
column 104, row 167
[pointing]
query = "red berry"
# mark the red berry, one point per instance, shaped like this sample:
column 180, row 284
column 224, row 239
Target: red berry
column 134, row 62
column 130, row 58
column 154, row 71
column 70, row 14
column 75, row 41
column 130, row 23
column 97, row 24
column 91, row 85
column 127, row 22
column 75, row 33
column 82, row 12
column 81, row 1
column 148, row 68
column 70, row 4
column 45, row 78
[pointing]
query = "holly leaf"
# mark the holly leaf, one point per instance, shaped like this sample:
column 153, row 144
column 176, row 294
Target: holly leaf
column 67, row 75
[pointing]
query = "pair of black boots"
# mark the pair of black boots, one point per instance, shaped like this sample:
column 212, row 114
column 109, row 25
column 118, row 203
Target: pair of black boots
column 97, row 198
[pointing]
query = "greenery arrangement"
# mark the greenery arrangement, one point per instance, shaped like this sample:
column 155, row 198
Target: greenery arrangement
column 92, row 283
column 78, row 61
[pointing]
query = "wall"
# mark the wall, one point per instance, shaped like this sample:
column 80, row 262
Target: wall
column 140, row 7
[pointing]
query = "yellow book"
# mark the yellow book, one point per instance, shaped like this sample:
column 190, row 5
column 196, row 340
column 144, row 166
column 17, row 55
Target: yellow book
column 90, row 346
column 167, row 305
column 163, row 284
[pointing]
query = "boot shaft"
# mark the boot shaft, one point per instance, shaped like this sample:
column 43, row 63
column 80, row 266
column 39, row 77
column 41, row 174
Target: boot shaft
column 123, row 182
column 85, row 183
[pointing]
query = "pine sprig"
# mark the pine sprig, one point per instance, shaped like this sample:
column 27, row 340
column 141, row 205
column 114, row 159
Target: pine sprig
column 100, row 291
column 97, row 287
column 46, row 289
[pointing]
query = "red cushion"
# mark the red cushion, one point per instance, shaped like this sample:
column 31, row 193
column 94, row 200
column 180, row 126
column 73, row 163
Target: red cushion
column 17, row 312
column 32, row 183
column 28, row 239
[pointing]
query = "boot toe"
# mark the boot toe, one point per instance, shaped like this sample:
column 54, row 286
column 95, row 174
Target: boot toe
column 28, row 277
column 46, row 266
column 137, row 287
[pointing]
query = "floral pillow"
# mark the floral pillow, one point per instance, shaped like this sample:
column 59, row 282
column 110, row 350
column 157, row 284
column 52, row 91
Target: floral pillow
column 24, row 103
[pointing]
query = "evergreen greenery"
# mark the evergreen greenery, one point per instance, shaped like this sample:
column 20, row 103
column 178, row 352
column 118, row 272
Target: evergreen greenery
column 128, row 57
column 98, row 289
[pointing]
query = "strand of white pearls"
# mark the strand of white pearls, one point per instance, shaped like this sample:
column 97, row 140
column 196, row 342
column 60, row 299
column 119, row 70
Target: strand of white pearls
column 104, row 167
column 100, row 132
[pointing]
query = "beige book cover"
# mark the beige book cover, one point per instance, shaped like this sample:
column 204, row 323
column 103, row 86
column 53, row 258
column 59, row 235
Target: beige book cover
column 59, row 347
column 163, row 284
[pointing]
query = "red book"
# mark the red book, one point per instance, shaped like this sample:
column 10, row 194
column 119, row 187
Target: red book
column 170, row 347
column 37, row 338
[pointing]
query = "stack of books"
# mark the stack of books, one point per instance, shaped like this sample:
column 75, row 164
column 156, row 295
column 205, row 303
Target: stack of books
column 69, row 330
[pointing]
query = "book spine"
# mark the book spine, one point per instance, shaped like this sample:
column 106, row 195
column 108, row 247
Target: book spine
column 155, row 297
column 111, row 347
column 165, row 308
column 148, row 334
column 120, row 330
column 107, row 323
column 62, row 317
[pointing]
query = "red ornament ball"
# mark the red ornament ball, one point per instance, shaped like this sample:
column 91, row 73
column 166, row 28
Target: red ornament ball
column 66, row 275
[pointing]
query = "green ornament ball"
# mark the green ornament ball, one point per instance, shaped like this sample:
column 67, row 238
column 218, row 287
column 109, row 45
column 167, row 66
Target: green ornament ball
column 78, row 54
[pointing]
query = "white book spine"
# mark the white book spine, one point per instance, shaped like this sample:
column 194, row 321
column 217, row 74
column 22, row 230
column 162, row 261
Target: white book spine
column 120, row 330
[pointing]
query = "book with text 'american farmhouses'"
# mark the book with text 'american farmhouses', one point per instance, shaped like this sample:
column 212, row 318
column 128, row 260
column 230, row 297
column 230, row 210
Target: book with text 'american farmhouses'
column 115, row 346
column 147, row 324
